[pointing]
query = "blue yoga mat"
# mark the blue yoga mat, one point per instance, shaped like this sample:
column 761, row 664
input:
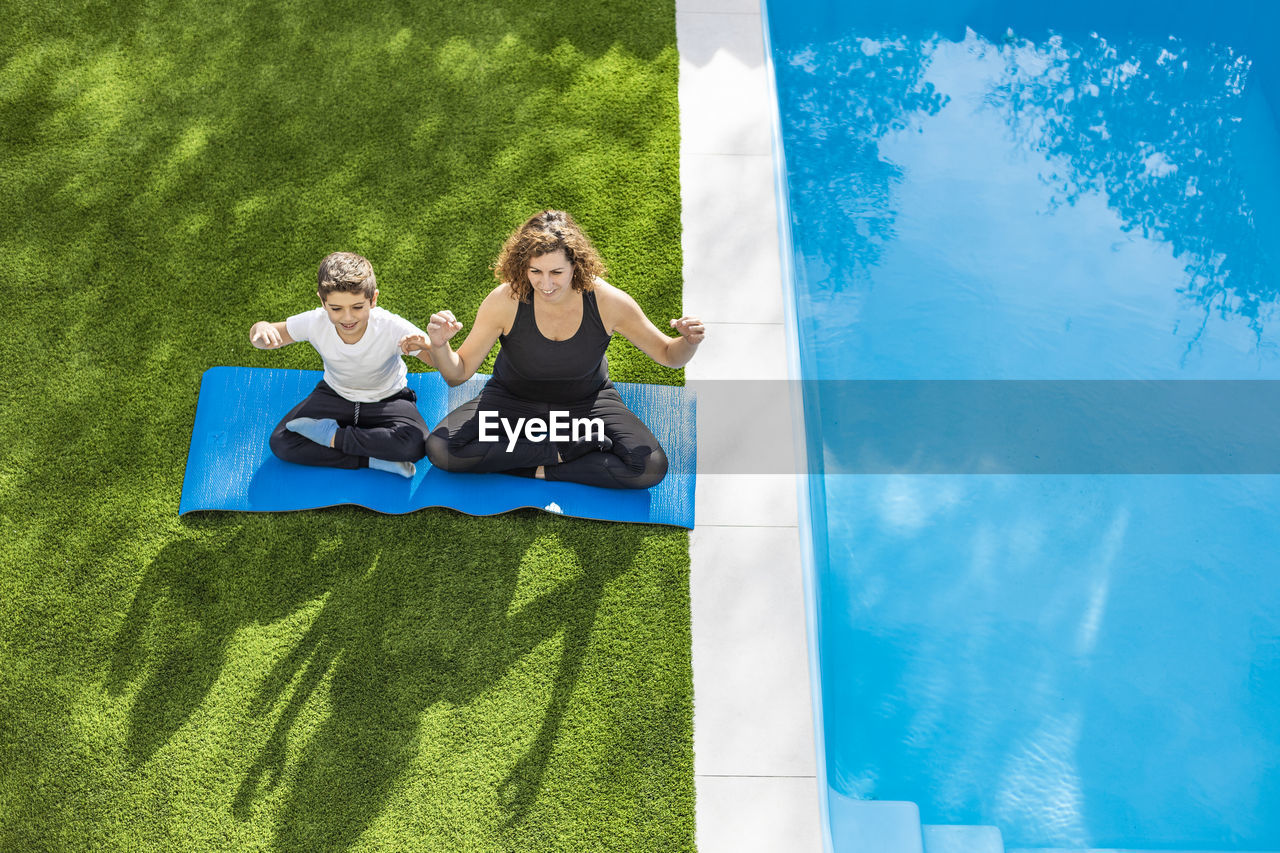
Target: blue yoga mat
column 230, row 466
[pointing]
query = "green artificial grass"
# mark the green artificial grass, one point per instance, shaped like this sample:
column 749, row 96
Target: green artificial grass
column 329, row 680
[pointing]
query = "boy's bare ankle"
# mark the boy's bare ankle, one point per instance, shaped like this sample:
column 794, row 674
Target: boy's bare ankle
column 541, row 472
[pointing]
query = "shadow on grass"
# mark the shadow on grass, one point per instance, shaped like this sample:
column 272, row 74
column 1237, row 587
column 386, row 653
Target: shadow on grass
column 394, row 648
column 198, row 592
column 417, row 610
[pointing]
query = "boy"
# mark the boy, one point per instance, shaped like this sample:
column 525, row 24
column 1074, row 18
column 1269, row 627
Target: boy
column 362, row 414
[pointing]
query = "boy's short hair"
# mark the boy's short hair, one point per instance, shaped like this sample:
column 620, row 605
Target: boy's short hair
column 346, row 272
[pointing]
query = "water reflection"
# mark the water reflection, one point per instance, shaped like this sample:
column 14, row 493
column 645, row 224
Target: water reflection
column 1167, row 136
column 1151, row 127
column 1085, row 661
column 1054, row 655
column 839, row 101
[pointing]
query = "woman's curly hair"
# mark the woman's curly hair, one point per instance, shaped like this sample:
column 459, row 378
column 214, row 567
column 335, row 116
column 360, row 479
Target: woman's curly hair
column 546, row 232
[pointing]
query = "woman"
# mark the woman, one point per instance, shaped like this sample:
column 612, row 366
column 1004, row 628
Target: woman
column 554, row 316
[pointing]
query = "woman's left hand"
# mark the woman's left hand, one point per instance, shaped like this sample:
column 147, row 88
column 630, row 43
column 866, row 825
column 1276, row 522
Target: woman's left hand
column 690, row 328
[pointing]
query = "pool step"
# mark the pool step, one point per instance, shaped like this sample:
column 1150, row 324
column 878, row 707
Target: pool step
column 882, row 826
column 887, row 826
column 962, row 839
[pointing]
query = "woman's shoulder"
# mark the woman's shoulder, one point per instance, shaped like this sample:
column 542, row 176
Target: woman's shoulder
column 501, row 293
column 606, row 293
column 499, row 307
column 614, row 296
column 501, row 296
column 613, row 303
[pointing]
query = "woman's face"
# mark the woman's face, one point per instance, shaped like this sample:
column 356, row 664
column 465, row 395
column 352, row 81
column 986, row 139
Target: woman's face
column 551, row 275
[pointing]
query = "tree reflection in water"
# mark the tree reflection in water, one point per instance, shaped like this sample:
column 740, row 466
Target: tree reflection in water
column 840, row 100
column 1150, row 126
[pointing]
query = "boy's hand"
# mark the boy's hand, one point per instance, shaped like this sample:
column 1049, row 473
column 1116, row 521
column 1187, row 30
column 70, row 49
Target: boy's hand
column 690, row 328
column 413, row 343
column 442, row 327
column 263, row 335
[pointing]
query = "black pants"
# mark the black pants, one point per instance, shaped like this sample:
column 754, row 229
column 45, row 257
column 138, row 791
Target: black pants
column 391, row 429
column 636, row 461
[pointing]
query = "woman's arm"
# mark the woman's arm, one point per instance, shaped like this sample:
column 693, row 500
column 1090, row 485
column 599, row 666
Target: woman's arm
column 628, row 320
column 267, row 335
column 493, row 319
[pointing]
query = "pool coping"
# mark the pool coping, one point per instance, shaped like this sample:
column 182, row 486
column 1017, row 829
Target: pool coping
column 757, row 765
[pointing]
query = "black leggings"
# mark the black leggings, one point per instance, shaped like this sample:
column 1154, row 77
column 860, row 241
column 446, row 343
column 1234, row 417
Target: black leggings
column 635, row 461
column 391, row 429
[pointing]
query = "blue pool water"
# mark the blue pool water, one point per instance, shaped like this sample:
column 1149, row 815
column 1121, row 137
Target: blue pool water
column 995, row 191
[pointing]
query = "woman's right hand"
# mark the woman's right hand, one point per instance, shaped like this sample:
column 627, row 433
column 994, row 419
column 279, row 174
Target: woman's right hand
column 442, row 327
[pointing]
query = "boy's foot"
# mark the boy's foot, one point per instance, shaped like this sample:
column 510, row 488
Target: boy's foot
column 320, row 431
column 404, row 469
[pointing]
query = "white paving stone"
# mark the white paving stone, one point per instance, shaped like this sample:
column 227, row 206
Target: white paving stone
column 745, row 500
column 729, row 7
column 744, row 351
column 730, row 215
column 745, row 427
column 760, row 815
column 750, row 657
column 724, row 106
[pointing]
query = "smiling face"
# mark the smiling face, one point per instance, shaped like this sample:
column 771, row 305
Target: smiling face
column 551, row 275
column 349, row 312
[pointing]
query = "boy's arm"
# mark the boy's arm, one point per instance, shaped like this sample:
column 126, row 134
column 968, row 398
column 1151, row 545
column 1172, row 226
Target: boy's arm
column 267, row 335
column 419, row 342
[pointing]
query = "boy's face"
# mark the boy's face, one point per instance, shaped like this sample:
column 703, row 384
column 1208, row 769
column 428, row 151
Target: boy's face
column 349, row 312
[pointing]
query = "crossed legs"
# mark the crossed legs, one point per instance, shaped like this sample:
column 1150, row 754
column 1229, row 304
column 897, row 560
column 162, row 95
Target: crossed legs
column 391, row 429
column 633, row 458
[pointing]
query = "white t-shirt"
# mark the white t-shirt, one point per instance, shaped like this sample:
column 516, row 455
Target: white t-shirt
column 369, row 370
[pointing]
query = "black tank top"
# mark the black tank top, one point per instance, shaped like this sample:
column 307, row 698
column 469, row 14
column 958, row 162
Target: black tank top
column 534, row 367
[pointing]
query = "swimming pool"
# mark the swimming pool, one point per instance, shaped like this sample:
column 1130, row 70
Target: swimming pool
column 1087, row 654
